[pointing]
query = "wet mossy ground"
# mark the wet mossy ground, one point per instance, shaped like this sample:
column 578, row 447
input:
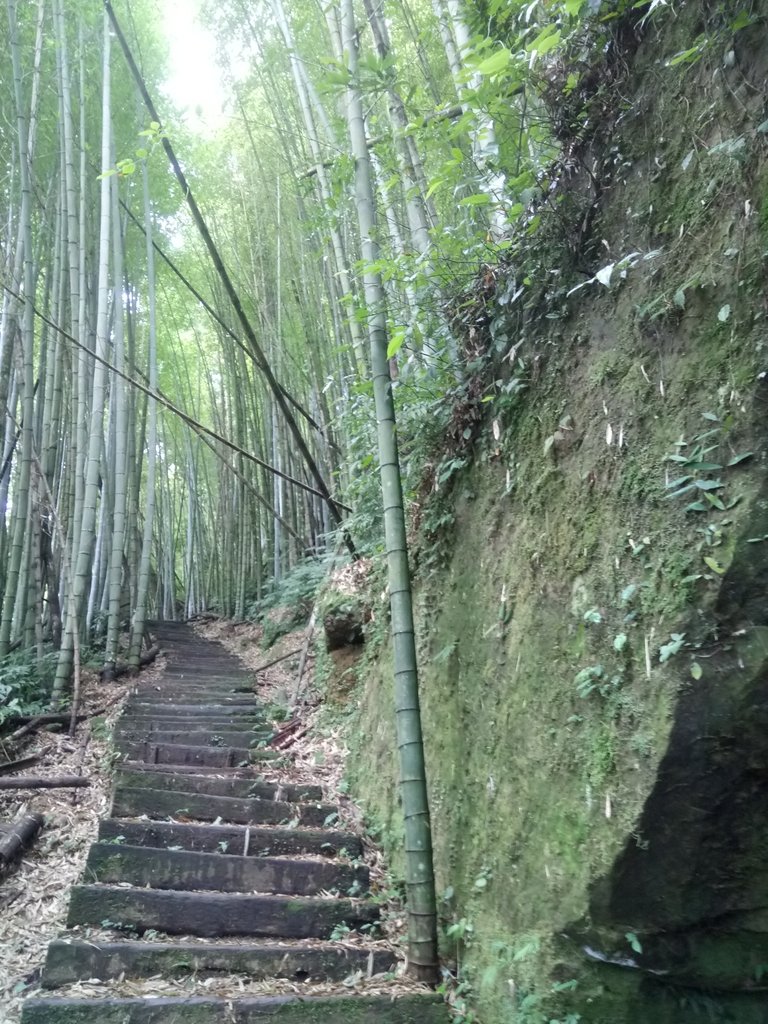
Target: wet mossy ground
column 597, row 800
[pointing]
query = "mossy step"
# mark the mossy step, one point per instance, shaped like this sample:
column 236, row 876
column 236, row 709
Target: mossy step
column 416, row 1009
column 216, row 737
column 179, row 753
column 195, row 683
column 74, row 960
column 161, row 700
column 129, row 802
column 164, row 708
column 233, row 787
column 225, row 696
column 261, row 842
column 215, row 914
column 203, row 771
column 162, row 720
column 208, row 673
column 187, row 871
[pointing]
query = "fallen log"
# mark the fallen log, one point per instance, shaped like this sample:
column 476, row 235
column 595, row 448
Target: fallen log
column 59, row 718
column 18, row 837
column 111, row 672
column 33, row 782
column 23, row 762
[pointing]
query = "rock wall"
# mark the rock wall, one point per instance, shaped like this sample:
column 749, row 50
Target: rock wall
column 594, row 625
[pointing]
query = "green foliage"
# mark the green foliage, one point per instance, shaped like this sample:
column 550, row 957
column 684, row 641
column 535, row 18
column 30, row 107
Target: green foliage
column 297, row 590
column 25, row 684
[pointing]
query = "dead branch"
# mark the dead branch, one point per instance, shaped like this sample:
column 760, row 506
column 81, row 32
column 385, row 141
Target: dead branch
column 111, row 672
column 58, row 718
column 275, row 661
column 23, row 762
column 33, row 782
column 304, row 655
column 17, row 837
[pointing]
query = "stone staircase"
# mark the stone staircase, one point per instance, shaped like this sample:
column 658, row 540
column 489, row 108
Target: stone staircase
column 198, row 846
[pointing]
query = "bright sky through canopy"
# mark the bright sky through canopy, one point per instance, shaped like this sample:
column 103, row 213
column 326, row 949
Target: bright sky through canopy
column 194, row 83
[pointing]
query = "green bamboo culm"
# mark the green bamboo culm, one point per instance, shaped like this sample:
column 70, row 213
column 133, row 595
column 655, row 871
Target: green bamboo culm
column 420, row 882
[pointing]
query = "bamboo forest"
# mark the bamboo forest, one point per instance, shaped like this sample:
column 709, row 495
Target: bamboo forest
column 383, row 630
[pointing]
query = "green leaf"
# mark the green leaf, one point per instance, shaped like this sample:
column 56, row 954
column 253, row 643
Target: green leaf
column 620, row 642
column 496, row 63
column 724, row 313
column 666, row 651
column 696, row 670
column 628, row 593
column 685, row 56
column 696, row 506
column 710, row 415
column 634, row 942
column 739, row 458
column 709, row 485
column 715, row 501
column 545, row 41
column 743, row 20
column 679, row 298
column 678, row 482
column 395, row 343
column 683, row 490
column 714, row 565
column 573, row 7
column 478, row 199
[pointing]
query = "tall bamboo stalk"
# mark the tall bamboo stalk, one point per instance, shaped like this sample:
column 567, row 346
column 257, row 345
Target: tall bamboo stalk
column 420, row 883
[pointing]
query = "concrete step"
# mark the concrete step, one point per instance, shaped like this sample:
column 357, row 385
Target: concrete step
column 215, row 914
column 180, row 753
column 242, row 788
column 184, row 870
column 415, row 1009
column 234, row 839
column 210, row 737
column 73, row 960
column 160, row 803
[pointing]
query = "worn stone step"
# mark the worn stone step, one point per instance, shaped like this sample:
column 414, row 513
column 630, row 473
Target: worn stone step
column 196, row 695
column 195, row 684
column 412, row 1009
column 193, row 691
column 71, row 960
column 187, row 871
column 212, row 786
column 211, row 737
column 157, row 723
column 204, row 771
column 203, row 671
column 181, row 709
column 197, row 701
column 130, row 802
column 215, row 914
column 234, row 839
column 178, row 753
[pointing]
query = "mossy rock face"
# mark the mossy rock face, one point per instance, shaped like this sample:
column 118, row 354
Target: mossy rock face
column 597, row 784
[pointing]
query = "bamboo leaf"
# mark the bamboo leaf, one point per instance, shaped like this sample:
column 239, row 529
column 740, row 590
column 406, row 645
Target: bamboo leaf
column 496, row 63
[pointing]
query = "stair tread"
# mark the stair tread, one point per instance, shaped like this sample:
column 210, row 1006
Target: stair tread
column 215, row 914
column 192, row 870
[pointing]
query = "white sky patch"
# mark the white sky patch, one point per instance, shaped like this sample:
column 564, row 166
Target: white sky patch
column 194, row 82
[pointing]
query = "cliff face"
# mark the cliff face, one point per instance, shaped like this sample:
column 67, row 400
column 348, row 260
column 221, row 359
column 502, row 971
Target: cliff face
column 594, row 622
